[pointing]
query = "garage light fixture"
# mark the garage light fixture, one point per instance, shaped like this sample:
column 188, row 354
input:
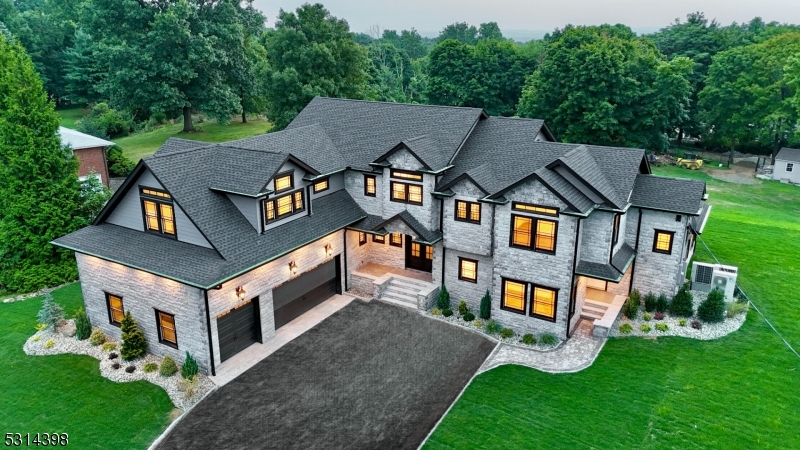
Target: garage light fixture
column 240, row 292
column 293, row 267
column 328, row 249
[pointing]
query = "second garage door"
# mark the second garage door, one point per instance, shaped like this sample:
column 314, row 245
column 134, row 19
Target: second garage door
column 297, row 296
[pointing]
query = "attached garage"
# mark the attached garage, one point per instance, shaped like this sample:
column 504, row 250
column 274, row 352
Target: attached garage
column 308, row 290
column 239, row 328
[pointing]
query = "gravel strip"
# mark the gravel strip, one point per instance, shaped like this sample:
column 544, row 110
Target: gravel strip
column 35, row 345
column 515, row 340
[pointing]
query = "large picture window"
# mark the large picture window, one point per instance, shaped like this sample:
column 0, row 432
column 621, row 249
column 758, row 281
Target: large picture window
column 159, row 214
column 166, row 329
column 533, row 234
column 116, row 311
column 543, row 303
column 370, row 185
column 406, row 193
column 662, row 242
column 513, row 296
column 286, row 205
column 468, row 270
column 468, row 211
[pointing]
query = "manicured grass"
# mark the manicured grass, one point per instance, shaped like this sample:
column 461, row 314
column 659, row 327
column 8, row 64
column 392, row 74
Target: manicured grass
column 139, row 145
column 70, row 115
column 66, row 394
column 740, row 391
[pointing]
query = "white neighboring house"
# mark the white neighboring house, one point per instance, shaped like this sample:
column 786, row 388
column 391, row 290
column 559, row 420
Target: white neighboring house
column 787, row 166
column 90, row 151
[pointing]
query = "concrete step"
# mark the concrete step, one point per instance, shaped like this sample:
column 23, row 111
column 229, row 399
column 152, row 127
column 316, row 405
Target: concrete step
column 595, row 309
column 410, row 283
column 399, row 302
column 596, row 304
column 590, row 315
column 401, row 295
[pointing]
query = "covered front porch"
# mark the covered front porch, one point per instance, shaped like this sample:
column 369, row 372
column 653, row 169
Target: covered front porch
column 405, row 287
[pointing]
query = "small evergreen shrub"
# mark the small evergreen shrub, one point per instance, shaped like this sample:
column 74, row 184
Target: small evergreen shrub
column 51, row 313
column 134, row 344
column 49, row 344
column 548, row 339
column 712, row 309
column 528, row 339
column 462, row 308
column 625, row 328
column 37, row 338
column 447, row 312
column 83, row 327
column 486, row 306
column 130, row 369
column 478, row 323
column 735, row 308
column 647, row 317
column 493, row 327
column 697, row 325
column 681, row 304
column 662, row 327
column 97, row 337
column 506, row 333
column 645, row 328
column 168, row 367
column 443, row 300
column 469, row 317
column 650, row 302
column 150, row 367
column 682, row 322
column 436, row 312
column 189, row 368
column 658, row 316
column 113, row 355
column 109, row 346
column 662, row 304
column 631, row 306
column 115, row 366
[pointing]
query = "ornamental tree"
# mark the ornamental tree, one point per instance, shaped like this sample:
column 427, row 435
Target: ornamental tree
column 134, row 344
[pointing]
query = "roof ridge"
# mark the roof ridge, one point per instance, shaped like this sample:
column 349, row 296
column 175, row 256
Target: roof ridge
column 516, row 118
column 399, row 103
column 180, row 152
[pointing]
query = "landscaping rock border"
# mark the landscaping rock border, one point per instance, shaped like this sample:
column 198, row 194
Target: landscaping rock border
column 515, row 341
column 21, row 297
column 35, row 346
column 708, row 332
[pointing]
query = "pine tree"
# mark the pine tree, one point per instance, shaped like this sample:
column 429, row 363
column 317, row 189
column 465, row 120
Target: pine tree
column 83, row 327
column 486, row 306
column 443, row 300
column 712, row 309
column 51, row 313
column 39, row 187
column 681, row 304
column 134, row 344
column 189, row 368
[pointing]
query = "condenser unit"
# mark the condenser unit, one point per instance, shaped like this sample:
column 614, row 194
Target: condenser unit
column 706, row 277
column 702, row 275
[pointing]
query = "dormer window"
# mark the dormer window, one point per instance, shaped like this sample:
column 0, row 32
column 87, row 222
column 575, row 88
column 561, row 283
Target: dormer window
column 159, row 214
column 284, row 181
column 320, row 186
column 286, row 205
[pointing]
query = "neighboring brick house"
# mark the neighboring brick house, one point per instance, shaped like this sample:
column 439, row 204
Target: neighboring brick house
column 90, row 151
column 213, row 247
column 787, row 166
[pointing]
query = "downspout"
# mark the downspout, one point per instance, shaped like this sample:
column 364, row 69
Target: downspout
column 346, row 275
column 491, row 233
column 573, row 294
column 633, row 265
column 208, row 327
column 441, row 229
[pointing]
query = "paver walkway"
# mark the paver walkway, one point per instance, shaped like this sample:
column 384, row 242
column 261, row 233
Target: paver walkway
column 578, row 353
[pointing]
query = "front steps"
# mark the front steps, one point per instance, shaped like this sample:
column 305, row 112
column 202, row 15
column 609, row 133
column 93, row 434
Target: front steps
column 593, row 309
column 404, row 291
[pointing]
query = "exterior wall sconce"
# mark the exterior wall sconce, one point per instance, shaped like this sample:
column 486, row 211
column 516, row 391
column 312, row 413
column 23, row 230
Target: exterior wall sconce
column 328, row 249
column 240, row 292
column 293, row 267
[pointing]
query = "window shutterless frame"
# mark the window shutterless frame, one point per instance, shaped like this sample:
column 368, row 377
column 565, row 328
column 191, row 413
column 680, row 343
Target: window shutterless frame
column 396, row 239
column 468, row 270
column 378, row 239
column 280, row 179
column 286, row 205
column 370, row 185
column 116, row 310
column 468, row 211
column 362, row 238
column 537, row 209
column 513, row 291
column 167, row 331
column 542, row 299
column 662, row 241
column 405, row 193
column 322, row 185
column 406, row 175
column 539, row 233
column 158, row 212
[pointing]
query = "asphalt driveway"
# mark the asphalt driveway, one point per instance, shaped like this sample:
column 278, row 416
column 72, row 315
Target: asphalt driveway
column 371, row 376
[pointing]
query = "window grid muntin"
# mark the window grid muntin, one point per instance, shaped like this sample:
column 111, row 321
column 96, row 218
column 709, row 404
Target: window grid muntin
column 158, row 212
column 416, row 249
column 378, row 239
column 167, row 330
column 662, row 241
column 362, row 238
column 428, row 252
column 468, row 270
column 116, row 309
column 545, row 235
column 406, row 175
column 370, row 185
column 789, row 167
column 521, row 234
column 320, row 186
column 468, row 211
column 286, row 205
column 538, row 209
column 406, row 193
column 539, row 235
column 543, row 302
column 396, row 239
column 284, row 181
column 516, row 292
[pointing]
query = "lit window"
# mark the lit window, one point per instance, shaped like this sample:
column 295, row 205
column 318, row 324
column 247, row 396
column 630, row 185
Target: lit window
column 789, row 167
column 167, row 219
column 155, row 193
column 406, row 193
column 284, row 182
column 116, row 312
column 514, row 296
column 396, row 239
column 414, row 194
column 398, row 191
column 286, row 205
column 428, row 252
column 321, row 186
column 378, row 239
column 521, row 235
column 406, row 175
column 159, row 214
column 524, row 229
column 298, row 200
column 545, row 235
column 416, row 250
column 543, row 303
column 370, row 185
column 468, row 270
column 535, row 208
column 166, row 329
column 468, row 211
column 662, row 243
column 362, row 238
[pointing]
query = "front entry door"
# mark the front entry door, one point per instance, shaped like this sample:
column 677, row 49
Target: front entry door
column 418, row 256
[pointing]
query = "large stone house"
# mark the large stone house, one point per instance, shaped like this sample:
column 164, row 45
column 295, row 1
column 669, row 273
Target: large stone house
column 213, row 247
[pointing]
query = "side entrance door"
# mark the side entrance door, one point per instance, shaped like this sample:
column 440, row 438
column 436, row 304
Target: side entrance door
column 238, row 329
column 418, row 256
column 293, row 298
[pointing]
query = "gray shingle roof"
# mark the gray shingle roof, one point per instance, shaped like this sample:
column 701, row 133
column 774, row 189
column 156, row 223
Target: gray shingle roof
column 577, row 201
column 364, row 131
column 668, row 194
column 789, row 154
column 173, row 145
column 598, row 270
column 623, row 258
column 376, row 224
column 582, row 163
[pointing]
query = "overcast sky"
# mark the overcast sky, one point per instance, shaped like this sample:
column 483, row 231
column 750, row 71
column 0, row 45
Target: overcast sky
column 430, row 16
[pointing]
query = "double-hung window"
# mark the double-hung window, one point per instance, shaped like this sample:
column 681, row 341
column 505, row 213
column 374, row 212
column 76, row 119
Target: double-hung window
column 789, row 167
column 362, row 238
column 662, row 242
column 166, row 329
column 378, row 239
column 116, row 311
column 396, row 239
column 542, row 303
column 284, row 181
column 284, row 206
column 468, row 211
column 159, row 214
column 406, row 193
column 468, row 270
column 370, row 186
column 320, row 186
column 534, row 234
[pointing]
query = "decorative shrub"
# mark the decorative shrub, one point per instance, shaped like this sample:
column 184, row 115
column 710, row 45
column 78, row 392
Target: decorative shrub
column 189, row 368
column 486, row 306
column 493, row 327
column 97, row 337
column 631, row 306
column 189, row 386
column 662, row 304
column 478, row 324
column 168, row 367
column 650, row 302
column 36, row 338
column 697, row 325
column 51, row 313
column 113, row 355
column 447, row 312
column 134, row 344
column 682, row 322
column 436, row 312
column 115, row 366
column 735, row 308
column 150, row 367
column 40, row 327
column 712, row 309
column 83, row 327
column 469, row 317
column 625, row 328
column 528, row 339
column 443, row 300
column 462, row 308
column 49, row 344
column 681, row 304
column 647, row 317
column 506, row 333
column 548, row 339
column 658, row 316
column 662, row 327
column 130, row 369
column 109, row 346
column 118, row 164
column 645, row 328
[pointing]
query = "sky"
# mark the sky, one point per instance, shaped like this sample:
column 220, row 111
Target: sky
column 430, row 16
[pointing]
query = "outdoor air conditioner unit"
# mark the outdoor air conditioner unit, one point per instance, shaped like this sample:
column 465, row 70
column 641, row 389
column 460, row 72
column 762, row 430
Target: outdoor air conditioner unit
column 702, row 274
column 706, row 277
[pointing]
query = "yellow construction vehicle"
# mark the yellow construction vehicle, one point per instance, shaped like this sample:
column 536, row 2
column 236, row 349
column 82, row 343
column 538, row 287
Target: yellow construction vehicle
column 690, row 161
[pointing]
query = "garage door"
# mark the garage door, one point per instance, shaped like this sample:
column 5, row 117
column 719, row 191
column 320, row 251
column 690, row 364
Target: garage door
column 295, row 297
column 238, row 329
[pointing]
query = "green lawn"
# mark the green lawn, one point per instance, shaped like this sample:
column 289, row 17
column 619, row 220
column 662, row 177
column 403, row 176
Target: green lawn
column 742, row 391
column 66, row 394
column 70, row 115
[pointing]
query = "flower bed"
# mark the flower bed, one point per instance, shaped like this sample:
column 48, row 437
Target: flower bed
column 515, row 340
column 706, row 332
column 37, row 345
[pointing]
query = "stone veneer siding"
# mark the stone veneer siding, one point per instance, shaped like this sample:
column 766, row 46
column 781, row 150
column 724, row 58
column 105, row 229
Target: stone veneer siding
column 466, row 290
column 142, row 293
column 596, row 234
column 657, row 272
column 466, row 236
column 403, row 160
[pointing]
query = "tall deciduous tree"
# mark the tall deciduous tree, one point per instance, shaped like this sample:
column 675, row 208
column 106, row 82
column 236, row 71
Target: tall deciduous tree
column 605, row 86
column 461, row 32
column 311, row 53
